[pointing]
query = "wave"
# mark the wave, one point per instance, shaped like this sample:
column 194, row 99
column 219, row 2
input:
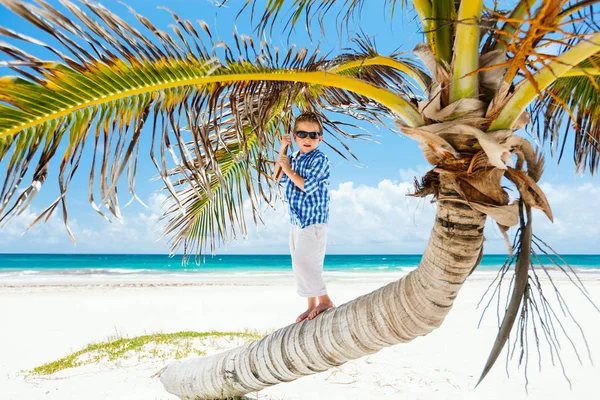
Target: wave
column 81, row 271
column 224, row 273
column 194, row 271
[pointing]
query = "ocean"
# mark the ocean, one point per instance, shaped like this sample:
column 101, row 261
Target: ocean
column 22, row 265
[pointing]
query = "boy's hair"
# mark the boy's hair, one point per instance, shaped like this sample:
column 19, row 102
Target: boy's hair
column 308, row 117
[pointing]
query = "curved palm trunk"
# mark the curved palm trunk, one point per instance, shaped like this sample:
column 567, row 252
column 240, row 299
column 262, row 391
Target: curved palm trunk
column 399, row 312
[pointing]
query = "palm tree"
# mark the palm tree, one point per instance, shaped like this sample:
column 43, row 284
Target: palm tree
column 217, row 111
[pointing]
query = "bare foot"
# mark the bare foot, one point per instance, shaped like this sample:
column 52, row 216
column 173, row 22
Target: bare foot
column 319, row 309
column 304, row 315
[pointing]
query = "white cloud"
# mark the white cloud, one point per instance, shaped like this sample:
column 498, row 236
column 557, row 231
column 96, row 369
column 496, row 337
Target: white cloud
column 383, row 219
column 576, row 215
column 381, row 216
column 363, row 219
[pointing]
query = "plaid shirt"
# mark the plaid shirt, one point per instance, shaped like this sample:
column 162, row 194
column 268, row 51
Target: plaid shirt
column 310, row 206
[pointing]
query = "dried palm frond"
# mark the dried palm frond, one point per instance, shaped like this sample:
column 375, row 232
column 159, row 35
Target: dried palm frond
column 113, row 79
column 523, row 259
column 530, row 304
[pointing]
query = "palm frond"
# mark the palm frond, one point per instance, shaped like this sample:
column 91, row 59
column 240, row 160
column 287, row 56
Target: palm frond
column 572, row 105
column 306, row 10
column 443, row 26
column 533, row 31
column 113, row 79
column 512, row 21
column 578, row 8
column 363, row 61
column 539, row 85
column 465, row 83
column 208, row 215
column 526, row 33
column 208, row 221
column 531, row 306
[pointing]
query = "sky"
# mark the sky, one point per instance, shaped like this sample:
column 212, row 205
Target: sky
column 370, row 210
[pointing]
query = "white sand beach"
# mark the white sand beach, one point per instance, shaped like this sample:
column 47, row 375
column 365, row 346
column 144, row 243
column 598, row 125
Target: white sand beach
column 46, row 319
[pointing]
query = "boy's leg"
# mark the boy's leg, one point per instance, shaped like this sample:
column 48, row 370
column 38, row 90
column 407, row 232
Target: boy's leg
column 308, row 253
column 324, row 302
column 312, row 301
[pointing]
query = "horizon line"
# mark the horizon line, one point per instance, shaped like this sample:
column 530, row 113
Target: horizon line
column 261, row 254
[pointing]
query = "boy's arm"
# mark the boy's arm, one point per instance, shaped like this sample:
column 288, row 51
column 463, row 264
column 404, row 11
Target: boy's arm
column 317, row 173
column 277, row 171
column 284, row 162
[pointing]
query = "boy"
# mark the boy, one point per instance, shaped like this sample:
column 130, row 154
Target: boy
column 306, row 180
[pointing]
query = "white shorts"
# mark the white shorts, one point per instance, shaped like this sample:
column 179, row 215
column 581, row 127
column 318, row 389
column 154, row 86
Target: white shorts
column 307, row 247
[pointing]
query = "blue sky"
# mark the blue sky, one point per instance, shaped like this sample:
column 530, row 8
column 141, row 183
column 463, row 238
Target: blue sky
column 370, row 210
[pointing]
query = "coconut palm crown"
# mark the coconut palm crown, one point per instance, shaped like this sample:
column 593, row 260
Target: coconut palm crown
column 218, row 109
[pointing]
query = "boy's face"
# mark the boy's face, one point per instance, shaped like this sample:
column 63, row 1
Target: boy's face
column 307, row 144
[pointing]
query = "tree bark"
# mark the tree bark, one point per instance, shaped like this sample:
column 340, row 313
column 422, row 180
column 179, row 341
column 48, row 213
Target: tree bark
column 399, row 312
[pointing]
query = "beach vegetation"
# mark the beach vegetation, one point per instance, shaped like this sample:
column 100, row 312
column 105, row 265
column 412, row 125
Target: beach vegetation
column 155, row 346
column 215, row 112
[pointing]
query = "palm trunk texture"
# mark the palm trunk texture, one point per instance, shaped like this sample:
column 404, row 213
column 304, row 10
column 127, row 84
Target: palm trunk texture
column 399, row 312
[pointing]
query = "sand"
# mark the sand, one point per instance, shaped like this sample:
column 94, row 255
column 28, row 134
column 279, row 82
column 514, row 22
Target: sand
column 45, row 319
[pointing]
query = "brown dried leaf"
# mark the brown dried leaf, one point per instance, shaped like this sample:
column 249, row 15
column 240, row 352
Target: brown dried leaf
column 429, row 185
column 439, row 146
column 492, row 78
column 531, row 193
column 464, row 107
column 506, row 216
column 483, row 186
column 503, row 231
column 479, row 161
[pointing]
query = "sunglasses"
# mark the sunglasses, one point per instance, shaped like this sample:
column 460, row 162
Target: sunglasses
column 312, row 135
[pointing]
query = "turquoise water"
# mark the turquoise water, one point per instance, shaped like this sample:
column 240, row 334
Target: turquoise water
column 82, row 264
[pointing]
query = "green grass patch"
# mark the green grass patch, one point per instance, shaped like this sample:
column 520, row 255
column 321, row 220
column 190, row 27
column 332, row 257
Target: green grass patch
column 155, row 346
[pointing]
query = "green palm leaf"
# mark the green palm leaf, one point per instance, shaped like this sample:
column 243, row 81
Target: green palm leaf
column 231, row 100
column 572, row 104
column 211, row 214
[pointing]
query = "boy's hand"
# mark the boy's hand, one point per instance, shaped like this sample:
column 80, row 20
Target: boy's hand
column 282, row 164
column 286, row 140
column 284, row 161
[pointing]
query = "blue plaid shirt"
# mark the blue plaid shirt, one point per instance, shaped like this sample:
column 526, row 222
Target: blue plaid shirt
column 310, row 206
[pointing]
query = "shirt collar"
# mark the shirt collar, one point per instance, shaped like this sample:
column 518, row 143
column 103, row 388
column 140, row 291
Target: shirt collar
column 297, row 154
